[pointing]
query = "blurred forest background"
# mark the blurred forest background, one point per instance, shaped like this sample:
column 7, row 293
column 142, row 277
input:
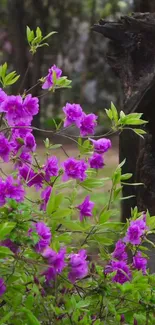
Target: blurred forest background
column 76, row 49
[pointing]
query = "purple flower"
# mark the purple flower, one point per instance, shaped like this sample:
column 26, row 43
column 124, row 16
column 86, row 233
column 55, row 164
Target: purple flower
column 119, row 252
column 86, row 208
column 23, row 158
column 78, row 266
column 10, row 244
column 56, row 262
column 135, row 231
column 101, row 145
column 123, row 273
column 50, row 274
column 139, row 262
column 122, row 320
column 87, row 124
column 73, row 114
column 44, row 234
column 18, row 136
column 11, row 189
column 5, row 148
column 13, row 106
column 75, row 169
column 2, row 287
column 49, row 79
column 30, row 143
column 45, row 195
column 30, row 106
column 31, row 177
column 51, row 168
column 3, row 97
column 96, row 161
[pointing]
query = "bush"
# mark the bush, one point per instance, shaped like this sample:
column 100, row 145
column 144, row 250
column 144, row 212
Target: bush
column 49, row 273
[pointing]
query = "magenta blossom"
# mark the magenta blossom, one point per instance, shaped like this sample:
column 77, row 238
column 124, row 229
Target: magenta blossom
column 13, row 106
column 5, row 148
column 56, row 262
column 78, row 266
column 11, row 189
column 96, row 161
column 51, row 168
column 86, row 208
column 87, row 124
column 73, row 114
column 2, row 287
column 101, row 145
column 139, row 262
column 44, row 234
column 49, row 79
column 18, row 136
column 24, row 157
column 135, row 231
column 45, row 195
column 119, row 252
column 75, row 169
column 31, row 178
column 30, row 143
column 3, row 97
column 30, row 106
column 123, row 273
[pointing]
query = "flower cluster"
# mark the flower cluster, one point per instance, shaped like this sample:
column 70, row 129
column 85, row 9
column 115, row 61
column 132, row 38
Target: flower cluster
column 78, row 266
column 118, row 264
column 11, row 188
column 75, row 115
column 56, row 260
column 75, row 169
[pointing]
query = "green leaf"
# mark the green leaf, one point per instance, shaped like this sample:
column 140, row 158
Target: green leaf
column 106, row 241
column 114, row 112
column 104, row 216
column 126, row 176
column 76, row 226
column 12, row 81
column 29, row 34
column 48, row 35
column 29, row 301
column 61, row 213
column 55, row 146
column 39, row 33
column 151, row 223
column 30, row 316
column 109, row 113
column 5, row 252
column 6, row 318
column 3, row 70
column 6, row 228
column 93, row 183
column 132, row 119
column 51, row 202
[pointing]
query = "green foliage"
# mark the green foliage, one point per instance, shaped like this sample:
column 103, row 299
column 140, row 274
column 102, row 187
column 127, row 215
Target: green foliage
column 7, row 79
column 35, row 39
column 122, row 121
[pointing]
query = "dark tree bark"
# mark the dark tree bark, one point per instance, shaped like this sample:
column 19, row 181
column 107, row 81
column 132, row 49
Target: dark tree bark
column 131, row 56
column 144, row 5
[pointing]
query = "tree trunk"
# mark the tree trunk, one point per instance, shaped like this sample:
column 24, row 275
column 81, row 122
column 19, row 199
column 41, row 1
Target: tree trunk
column 131, row 56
